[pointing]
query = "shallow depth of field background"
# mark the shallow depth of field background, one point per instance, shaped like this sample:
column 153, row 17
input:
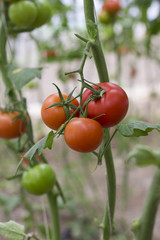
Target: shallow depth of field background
column 82, row 181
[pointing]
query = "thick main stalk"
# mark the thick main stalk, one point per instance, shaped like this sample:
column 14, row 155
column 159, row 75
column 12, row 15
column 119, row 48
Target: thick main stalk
column 103, row 76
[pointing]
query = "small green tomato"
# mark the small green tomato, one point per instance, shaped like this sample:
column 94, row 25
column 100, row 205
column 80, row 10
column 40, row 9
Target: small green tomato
column 39, row 179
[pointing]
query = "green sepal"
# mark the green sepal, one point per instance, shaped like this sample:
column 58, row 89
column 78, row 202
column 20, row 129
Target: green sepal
column 59, row 92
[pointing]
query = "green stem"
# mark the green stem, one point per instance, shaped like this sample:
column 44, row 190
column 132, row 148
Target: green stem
column 107, row 224
column 52, row 199
column 144, row 230
column 103, row 76
column 96, row 46
column 3, row 63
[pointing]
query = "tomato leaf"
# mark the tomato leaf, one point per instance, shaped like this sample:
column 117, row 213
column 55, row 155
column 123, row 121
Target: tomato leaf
column 12, row 230
column 137, row 129
column 144, row 156
column 21, row 76
column 45, row 142
column 8, row 203
column 92, row 29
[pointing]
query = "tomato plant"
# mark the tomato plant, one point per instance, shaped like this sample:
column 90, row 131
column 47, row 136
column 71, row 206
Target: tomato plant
column 10, row 127
column 39, row 179
column 55, row 116
column 112, row 6
column 22, row 13
column 113, row 104
column 83, row 134
column 44, row 13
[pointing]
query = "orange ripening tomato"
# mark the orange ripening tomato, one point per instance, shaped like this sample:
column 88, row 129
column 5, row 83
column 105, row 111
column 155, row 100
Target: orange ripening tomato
column 112, row 6
column 11, row 127
column 83, row 134
column 55, row 116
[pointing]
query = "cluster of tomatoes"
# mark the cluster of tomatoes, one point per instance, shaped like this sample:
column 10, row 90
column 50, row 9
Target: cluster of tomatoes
column 109, row 10
column 85, row 134
column 29, row 14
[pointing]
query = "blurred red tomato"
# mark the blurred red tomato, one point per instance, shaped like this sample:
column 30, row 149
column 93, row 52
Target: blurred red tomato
column 112, row 6
column 49, row 54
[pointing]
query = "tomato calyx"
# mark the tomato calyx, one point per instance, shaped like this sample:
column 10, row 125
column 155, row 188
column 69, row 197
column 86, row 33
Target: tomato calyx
column 97, row 93
column 65, row 103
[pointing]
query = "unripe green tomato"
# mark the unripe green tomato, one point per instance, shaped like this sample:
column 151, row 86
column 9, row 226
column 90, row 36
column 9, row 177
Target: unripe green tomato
column 22, row 13
column 104, row 17
column 44, row 13
column 39, row 179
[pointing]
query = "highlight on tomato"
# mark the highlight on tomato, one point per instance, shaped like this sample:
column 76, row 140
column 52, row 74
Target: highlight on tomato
column 55, row 116
column 39, row 179
column 113, row 104
column 10, row 126
column 83, row 134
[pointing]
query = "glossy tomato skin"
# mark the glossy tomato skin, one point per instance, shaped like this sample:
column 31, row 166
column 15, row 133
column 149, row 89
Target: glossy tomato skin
column 44, row 13
column 55, row 116
column 113, row 104
column 112, row 6
column 83, row 134
column 22, row 13
column 39, row 179
column 10, row 127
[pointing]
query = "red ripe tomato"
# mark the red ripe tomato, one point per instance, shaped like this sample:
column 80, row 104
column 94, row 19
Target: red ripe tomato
column 83, row 134
column 113, row 104
column 112, row 6
column 11, row 127
column 55, row 116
